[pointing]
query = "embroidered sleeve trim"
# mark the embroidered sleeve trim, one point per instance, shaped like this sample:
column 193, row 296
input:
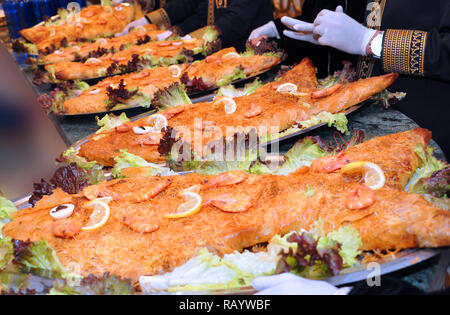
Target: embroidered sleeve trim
column 159, row 17
column 404, row 51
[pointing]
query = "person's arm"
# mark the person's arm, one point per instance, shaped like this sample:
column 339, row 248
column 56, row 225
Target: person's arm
column 173, row 12
column 417, row 52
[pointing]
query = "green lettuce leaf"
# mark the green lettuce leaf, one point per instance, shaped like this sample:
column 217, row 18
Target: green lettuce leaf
column 39, row 258
column 111, row 121
column 231, row 91
column 126, row 160
column 349, row 240
column 6, row 208
column 429, row 164
column 303, row 153
column 174, row 95
column 215, row 165
column 238, row 74
column 70, row 156
column 210, row 35
column 6, row 252
column 339, row 121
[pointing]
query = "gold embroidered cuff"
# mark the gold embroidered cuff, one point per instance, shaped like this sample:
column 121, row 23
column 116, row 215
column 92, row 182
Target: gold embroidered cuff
column 159, row 17
column 404, row 51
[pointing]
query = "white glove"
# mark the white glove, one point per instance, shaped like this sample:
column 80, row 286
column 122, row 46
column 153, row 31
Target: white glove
column 290, row 284
column 335, row 29
column 142, row 21
column 269, row 29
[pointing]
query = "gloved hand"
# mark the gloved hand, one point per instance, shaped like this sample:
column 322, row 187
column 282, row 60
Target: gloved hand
column 269, row 29
column 335, row 29
column 140, row 22
column 290, row 284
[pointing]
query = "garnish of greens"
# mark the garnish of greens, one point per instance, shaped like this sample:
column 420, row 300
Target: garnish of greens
column 313, row 254
column 126, row 160
column 231, row 91
column 431, row 178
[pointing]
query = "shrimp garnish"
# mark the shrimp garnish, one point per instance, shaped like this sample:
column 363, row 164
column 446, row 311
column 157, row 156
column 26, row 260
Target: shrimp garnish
column 206, row 125
column 149, row 139
column 211, row 59
column 360, row 198
column 139, row 225
column 235, row 202
column 148, row 193
column 328, row 164
column 164, row 44
column 94, row 192
column 254, row 111
column 122, row 128
column 171, row 112
column 325, row 92
column 226, row 179
column 66, row 228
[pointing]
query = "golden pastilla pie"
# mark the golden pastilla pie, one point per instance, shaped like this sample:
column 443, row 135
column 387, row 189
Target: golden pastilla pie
column 102, row 46
column 218, row 69
column 90, row 23
column 134, row 58
column 269, row 110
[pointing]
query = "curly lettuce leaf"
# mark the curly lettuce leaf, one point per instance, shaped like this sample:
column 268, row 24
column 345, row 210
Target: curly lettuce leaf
column 429, row 165
column 215, row 165
column 210, row 34
column 172, row 96
column 347, row 239
column 6, row 252
column 6, row 208
column 303, row 153
column 237, row 74
column 339, row 121
column 231, row 91
column 111, row 121
column 126, row 160
column 70, row 156
column 39, row 258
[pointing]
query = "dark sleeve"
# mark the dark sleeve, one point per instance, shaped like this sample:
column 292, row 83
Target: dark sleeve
column 196, row 20
column 236, row 22
column 173, row 12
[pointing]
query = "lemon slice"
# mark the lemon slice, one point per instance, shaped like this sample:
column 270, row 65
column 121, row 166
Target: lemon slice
column 287, row 88
column 99, row 215
column 191, row 205
column 157, row 122
column 93, row 61
column 229, row 104
column 175, row 71
column 373, row 175
column 102, row 41
column 231, row 54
